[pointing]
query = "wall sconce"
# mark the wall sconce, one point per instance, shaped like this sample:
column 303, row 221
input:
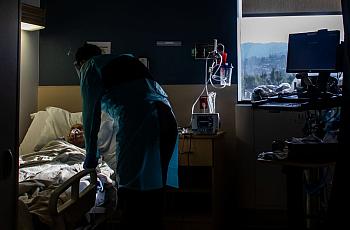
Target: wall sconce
column 32, row 17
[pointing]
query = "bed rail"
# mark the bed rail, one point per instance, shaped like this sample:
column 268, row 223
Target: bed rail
column 71, row 212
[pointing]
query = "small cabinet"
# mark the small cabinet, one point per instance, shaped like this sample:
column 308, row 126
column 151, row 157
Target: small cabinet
column 195, row 152
column 194, row 197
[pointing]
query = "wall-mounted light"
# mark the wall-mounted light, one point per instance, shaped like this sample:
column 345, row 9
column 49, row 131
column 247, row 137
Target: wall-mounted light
column 32, row 17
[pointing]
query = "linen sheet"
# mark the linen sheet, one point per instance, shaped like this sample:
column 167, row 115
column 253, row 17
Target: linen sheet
column 42, row 171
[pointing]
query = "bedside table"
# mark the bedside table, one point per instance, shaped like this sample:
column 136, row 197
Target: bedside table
column 195, row 196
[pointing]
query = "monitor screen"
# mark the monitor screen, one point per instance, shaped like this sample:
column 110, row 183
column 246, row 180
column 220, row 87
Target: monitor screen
column 313, row 52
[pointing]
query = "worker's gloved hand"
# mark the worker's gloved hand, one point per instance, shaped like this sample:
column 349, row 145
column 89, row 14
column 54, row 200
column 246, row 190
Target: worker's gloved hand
column 104, row 178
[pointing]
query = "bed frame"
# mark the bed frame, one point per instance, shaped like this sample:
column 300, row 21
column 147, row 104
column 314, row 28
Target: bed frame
column 68, row 215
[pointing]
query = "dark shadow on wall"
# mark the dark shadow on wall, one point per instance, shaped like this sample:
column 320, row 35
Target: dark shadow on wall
column 134, row 27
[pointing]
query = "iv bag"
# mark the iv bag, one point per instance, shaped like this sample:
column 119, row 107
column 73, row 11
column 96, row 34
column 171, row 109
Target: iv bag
column 225, row 74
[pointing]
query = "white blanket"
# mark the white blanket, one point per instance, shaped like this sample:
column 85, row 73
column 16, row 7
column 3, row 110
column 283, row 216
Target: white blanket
column 56, row 162
column 43, row 171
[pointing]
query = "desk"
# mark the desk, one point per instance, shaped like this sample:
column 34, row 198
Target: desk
column 300, row 207
column 298, row 104
column 295, row 170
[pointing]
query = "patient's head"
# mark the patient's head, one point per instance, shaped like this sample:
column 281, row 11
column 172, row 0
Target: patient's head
column 76, row 135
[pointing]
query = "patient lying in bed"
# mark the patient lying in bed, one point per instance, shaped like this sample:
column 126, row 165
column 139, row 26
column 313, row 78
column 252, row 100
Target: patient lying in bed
column 44, row 170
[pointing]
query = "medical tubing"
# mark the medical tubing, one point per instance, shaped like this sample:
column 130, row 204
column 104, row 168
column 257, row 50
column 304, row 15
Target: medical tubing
column 211, row 76
column 223, row 47
column 204, row 89
column 206, row 76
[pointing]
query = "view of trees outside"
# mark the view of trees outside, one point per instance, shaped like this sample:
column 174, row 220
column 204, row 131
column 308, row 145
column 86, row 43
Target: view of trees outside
column 263, row 64
column 263, row 47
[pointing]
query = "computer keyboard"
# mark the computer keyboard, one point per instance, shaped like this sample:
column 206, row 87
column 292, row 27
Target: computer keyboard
column 294, row 102
column 282, row 105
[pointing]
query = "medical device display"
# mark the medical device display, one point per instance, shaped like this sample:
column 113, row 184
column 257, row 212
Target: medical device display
column 205, row 123
column 313, row 52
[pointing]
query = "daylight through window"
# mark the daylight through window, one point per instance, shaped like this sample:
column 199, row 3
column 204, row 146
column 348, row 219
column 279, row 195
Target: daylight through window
column 263, row 46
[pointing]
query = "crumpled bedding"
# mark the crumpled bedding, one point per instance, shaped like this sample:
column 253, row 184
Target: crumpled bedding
column 57, row 161
column 265, row 91
column 43, row 171
column 34, row 195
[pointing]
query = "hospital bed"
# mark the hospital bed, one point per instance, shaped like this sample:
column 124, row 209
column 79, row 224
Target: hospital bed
column 66, row 215
column 54, row 189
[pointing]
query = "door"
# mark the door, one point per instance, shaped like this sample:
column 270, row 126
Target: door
column 9, row 82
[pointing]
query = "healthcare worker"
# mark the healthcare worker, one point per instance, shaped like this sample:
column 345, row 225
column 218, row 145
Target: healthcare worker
column 146, row 136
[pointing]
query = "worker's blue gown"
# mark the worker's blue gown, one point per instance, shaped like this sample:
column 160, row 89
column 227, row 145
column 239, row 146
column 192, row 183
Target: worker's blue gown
column 132, row 106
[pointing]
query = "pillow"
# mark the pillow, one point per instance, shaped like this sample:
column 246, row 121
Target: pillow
column 57, row 125
column 31, row 138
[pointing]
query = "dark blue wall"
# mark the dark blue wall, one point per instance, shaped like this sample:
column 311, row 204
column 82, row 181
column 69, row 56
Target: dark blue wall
column 134, row 27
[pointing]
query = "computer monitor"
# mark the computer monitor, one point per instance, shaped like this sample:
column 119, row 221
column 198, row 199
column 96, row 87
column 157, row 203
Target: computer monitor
column 313, row 52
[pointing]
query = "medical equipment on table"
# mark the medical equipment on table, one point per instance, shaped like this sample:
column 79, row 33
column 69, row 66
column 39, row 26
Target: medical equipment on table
column 220, row 74
column 205, row 123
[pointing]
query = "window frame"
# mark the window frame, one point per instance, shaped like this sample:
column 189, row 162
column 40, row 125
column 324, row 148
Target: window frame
column 241, row 15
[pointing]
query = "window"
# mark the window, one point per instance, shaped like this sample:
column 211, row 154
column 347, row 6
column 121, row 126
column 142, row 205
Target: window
column 263, row 45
